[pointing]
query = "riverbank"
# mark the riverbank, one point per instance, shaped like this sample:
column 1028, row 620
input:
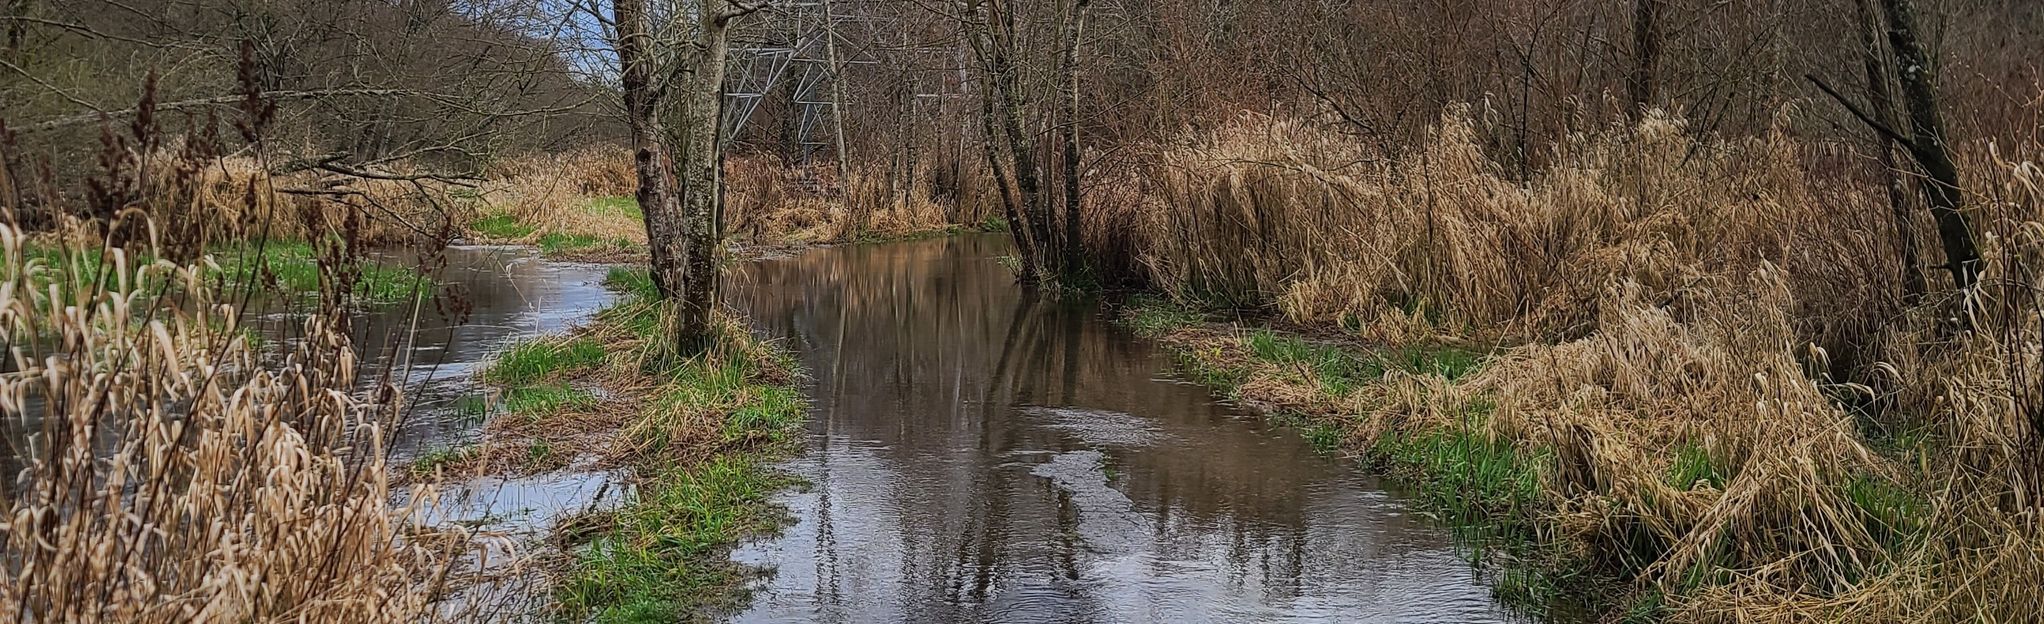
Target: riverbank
column 1710, row 367
column 1337, row 391
column 692, row 440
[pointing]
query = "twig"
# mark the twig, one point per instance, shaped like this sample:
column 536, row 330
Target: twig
column 1863, row 117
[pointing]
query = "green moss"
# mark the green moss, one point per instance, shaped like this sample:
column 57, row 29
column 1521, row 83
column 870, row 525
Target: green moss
column 533, row 360
column 501, row 226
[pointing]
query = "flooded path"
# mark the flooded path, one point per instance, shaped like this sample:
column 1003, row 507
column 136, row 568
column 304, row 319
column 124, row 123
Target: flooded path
column 490, row 297
column 980, row 454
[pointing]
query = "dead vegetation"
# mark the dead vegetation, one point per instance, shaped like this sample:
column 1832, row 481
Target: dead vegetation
column 1724, row 393
column 580, row 205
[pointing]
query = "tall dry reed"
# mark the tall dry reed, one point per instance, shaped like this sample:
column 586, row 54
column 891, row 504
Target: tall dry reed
column 1729, row 400
column 160, row 471
column 159, row 467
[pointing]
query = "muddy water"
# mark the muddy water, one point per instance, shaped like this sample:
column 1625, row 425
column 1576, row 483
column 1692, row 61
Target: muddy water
column 979, row 454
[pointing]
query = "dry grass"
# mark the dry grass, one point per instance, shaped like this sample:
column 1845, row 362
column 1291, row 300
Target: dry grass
column 1443, row 235
column 169, row 475
column 1679, row 302
column 579, row 205
column 770, row 201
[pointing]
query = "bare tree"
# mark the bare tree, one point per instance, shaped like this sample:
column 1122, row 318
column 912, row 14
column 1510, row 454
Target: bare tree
column 1881, row 102
column 1074, row 251
column 675, row 113
column 1928, row 142
column 1646, row 51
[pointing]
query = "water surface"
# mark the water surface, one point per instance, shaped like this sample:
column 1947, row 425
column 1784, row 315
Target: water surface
column 981, row 454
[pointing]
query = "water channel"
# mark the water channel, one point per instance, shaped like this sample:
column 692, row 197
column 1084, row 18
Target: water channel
column 980, row 453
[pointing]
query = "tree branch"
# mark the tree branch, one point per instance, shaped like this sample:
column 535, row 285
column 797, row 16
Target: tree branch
column 1879, row 127
column 212, row 101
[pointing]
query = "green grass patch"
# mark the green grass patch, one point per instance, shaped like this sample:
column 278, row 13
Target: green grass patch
column 617, row 205
column 1465, row 475
column 1693, row 468
column 633, row 281
column 773, row 414
column 533, row 360
column 1892, row 513
column 555, row 243
column 1337, row 371
column 432, row 461
column 501, row 226
column 545, row 399
column 662, row 554
column 1153, row 316
column 293, row 267
column 1445, row 361
column 725, row 381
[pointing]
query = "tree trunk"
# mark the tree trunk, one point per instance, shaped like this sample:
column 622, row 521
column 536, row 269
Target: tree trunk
column 1927, row 129
column 1074, row 252
column 1646, row 50
column 650, row 158
column 1882, row 104
column 1021, row 146
column 697, row 140
column 1011, row 205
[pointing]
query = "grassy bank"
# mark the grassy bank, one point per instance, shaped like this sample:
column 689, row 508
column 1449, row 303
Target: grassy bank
column 695, row 437
column 1711, row 386
column 1323, row 383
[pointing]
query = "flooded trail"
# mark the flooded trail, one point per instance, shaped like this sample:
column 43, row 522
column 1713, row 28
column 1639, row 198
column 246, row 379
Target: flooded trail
column 490, row 298
column 983, row 454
